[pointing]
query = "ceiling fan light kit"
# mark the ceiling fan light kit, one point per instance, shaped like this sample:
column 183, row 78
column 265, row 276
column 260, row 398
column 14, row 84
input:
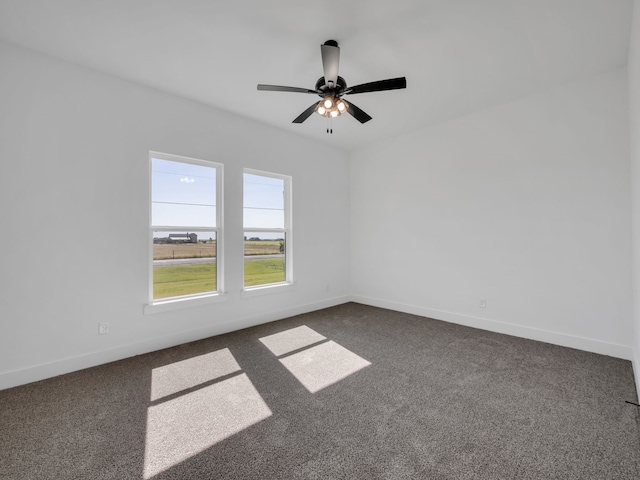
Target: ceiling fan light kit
column 331, row 107
column 332, row 87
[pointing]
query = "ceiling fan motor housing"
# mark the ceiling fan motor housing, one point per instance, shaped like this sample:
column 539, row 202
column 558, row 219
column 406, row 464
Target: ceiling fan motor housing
column 323, row 89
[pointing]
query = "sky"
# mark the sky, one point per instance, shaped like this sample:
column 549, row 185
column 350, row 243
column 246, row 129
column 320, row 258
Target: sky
column 184, row 195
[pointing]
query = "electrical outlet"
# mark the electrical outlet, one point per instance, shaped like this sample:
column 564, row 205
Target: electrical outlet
column 483, row 303
column 103, row 328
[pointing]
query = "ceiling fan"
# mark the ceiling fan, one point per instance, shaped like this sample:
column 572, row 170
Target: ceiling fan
column 332, row 87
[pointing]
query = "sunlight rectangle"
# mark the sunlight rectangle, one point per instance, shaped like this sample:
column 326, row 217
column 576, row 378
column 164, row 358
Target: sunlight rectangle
column 292, row 339
column 185, row 374
column 323, row 365
column 189, row 424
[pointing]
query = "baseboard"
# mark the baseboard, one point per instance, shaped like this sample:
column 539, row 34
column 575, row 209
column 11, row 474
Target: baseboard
column 71, row 364
column 636, row 373
column 556, row 338
column 51, row 369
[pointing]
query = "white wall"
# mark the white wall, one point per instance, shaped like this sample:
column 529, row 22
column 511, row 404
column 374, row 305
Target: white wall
column 634, row 117
column 526, row 205
column 74, row 149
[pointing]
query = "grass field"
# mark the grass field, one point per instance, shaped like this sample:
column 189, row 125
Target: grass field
column 263, row 272
column 176, row 280
column 184, row 250
column 262, row 247
column 208, row 250
column 191, row 279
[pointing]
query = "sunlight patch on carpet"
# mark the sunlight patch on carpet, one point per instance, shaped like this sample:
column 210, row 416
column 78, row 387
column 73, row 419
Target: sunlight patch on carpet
column 292, row 339
column 323, row 365
column 189, row 424
column 179, row 376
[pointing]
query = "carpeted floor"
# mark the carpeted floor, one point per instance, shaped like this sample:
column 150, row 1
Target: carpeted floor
column 350, row 392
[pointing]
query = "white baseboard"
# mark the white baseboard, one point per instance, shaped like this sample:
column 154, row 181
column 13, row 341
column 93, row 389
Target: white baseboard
column 71, row 364
column 51, row 369
column 636, row 372
column 556, row 338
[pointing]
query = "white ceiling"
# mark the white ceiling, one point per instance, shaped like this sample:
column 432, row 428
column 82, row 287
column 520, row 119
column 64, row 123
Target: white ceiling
column 459, row 56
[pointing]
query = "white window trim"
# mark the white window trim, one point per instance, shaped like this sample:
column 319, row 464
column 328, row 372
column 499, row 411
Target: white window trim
column 289, row 283
column 174, row 303
column 179, row 303
column 267, row 289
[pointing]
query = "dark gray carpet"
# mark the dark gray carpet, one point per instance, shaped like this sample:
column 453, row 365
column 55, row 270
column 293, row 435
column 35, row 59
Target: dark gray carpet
column 350, row 392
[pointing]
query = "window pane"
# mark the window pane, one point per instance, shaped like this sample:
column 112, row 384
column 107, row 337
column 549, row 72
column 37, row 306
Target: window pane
column 165, row 214
column 182, row 194
column 264, row 254
column 263, row 201
column 184, row 263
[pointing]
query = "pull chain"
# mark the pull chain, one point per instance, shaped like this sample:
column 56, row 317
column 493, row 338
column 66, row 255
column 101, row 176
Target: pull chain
column 329, row 125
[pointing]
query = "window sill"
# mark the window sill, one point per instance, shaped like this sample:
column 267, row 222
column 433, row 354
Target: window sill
column 261, row 290
column 184, row 302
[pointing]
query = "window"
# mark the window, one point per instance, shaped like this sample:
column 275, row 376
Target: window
column 267, row 229
column 184, row 227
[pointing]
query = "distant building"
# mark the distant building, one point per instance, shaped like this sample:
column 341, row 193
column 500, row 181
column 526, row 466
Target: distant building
column 183, row 237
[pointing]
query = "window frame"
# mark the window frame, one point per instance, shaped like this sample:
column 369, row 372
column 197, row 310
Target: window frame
column 287, row 230
column 170, row 303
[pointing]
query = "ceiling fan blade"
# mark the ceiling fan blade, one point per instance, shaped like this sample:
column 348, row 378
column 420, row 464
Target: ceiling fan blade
column 390, row 84
column 306, row 114
column 280, row 88
column 358, row 113
column 330, row 61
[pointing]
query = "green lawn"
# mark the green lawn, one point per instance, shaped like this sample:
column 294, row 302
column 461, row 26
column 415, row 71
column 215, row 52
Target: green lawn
column 263, row 272
column 190, row 279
